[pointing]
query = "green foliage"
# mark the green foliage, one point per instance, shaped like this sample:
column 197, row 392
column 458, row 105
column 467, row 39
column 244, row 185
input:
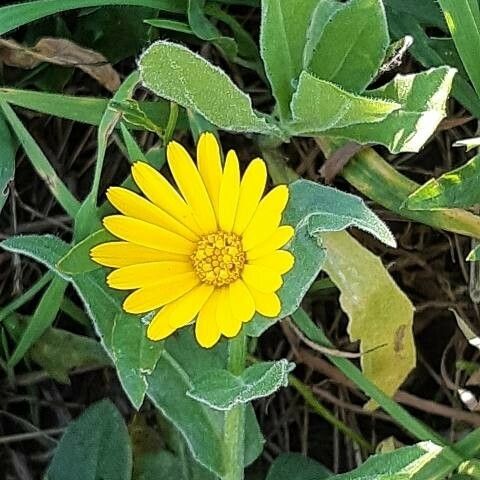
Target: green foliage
column 401, row 464
column 293, row 466
column 351, row 59
column 318, row 105
column 462, row 18
column 201, row 426
column 77, row 260
column 7, row 166
column 95, row 445
column 221, row 390
column 122, row 335
column 422, row 98
column 282, row 42
column 175, row 73
column 457, row 188
column 43, row 317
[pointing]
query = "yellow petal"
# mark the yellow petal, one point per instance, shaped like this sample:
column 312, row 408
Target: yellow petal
column 185, row 309
column 263, row 279
column 229, row 324
column 206, row 328
column 146, row 274
column 266, row 218
column 279, row 238
column 241, row 301
column 229, row 191
column 147, row 235
column 122, row 254
column 251, row 191
column 179, row 313
column 191, row 186
column 159, row 191
column 150, row 298
column 135, row 206
column 279, row 261
column 210, row 166
column 159, row 329
column 267, row 304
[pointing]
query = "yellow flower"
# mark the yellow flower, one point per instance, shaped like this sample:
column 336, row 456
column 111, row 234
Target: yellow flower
column 210, row 252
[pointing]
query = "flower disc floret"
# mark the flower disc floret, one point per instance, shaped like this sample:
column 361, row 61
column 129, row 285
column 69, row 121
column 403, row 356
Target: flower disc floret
column 219, row 258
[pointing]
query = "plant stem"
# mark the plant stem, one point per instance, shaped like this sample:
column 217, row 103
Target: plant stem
column 234, row 436
column 369, row 173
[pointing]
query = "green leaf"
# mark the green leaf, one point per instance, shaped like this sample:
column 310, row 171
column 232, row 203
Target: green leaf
column 75, row 351
column 401, row 464
column 123, row 336
column 313, row 208
column 7, row 162
column 352, row 45
column 133, row 114
column 457, row 188
column 474, row 255
column 80, row 109
column 78, row 260
column 294, row 466
column 205, row 30
column 283, row 35
column 426, row 12
column 96, row 445
column 43, row 317
column 177, row 74
column 461, row 17
column 221, row 390
column 402, row 23
column 422, row 96
column 318, row 105
column 202, row 427
column 14, row 16
column 380, row 314
column 326, row 209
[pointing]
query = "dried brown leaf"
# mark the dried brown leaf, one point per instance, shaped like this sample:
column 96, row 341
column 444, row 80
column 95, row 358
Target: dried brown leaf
column 60, row 51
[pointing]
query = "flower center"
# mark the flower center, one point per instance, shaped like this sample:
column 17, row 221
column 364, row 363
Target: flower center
column 219, row 258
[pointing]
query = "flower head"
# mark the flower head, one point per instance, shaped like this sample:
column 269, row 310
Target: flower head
column 210, row 251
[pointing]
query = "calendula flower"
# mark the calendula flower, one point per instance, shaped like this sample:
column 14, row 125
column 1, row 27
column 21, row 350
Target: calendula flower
column 210, row 251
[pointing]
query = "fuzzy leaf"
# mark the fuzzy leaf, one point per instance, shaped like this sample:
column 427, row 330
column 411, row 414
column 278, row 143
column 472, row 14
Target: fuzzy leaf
column 221, row 390
column 96, row 445
column 313, row 208
column 401, row 464
column 78, row 260
column 380, row 314
column 457, row 188
column 183, row 359
column 318, row 105
column 352, row 44
column 283, row 35
column 180, row 75
column 123, row 336
column 422, row 96
column 295, row 466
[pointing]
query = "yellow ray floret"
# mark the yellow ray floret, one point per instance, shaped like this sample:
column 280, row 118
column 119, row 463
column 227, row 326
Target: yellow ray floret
column 211, row 252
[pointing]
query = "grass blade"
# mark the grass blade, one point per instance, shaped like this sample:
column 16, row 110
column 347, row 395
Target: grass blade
column 43, row 318
column 14, row 16
column 461, row 16
column 40, row 162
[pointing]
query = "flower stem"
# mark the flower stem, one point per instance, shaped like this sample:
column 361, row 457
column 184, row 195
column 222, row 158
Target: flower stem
column 234, row 434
